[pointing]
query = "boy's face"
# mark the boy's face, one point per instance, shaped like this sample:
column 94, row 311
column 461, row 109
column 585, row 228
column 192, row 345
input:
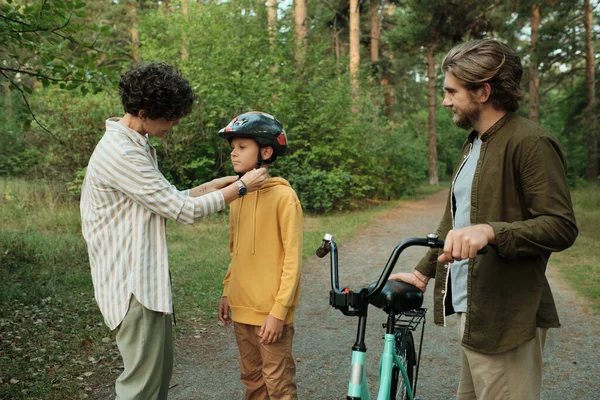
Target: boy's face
column 244, row 154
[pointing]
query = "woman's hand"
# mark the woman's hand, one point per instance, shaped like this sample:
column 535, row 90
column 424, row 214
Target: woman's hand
column 254, row 179
column 213, row 185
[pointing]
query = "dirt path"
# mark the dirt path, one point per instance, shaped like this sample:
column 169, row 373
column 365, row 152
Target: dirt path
column 207, row 368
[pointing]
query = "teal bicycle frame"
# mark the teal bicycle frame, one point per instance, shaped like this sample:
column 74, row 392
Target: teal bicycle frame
column 358, row 387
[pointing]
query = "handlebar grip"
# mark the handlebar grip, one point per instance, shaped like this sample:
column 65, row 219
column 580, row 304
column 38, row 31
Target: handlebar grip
column 484, row 250
column 322, row 252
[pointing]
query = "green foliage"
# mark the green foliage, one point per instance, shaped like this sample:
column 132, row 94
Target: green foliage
column 75, row 124
column 565, row 114
column 336, row 159
column 436, row 23
column 51, row 43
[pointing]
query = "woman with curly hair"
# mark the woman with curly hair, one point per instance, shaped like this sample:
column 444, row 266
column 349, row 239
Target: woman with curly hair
column 125, row 202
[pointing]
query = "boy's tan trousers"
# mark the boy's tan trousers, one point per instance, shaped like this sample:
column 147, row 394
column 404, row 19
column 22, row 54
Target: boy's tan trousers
column 268, row 371
column 512, row 375
column 146, row 345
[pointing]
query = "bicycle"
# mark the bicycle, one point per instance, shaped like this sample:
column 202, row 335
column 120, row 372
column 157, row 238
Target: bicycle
column 402, row 302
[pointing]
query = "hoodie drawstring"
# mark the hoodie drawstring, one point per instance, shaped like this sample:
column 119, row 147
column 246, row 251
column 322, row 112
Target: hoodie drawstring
column 254, row 223
column 237, row 226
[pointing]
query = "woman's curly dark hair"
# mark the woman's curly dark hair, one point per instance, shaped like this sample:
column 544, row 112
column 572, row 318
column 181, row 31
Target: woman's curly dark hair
column 157, row 88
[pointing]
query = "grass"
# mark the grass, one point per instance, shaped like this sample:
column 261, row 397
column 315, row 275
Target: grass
column 578, row 265
column 53, row 342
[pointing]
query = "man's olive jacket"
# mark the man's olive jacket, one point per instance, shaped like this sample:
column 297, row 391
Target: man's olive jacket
column 520, row 189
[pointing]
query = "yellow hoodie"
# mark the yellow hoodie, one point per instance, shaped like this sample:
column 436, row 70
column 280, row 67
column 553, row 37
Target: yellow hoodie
column 265, row 243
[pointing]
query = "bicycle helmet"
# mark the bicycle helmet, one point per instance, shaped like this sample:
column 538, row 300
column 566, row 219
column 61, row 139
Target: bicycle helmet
column 261, row 127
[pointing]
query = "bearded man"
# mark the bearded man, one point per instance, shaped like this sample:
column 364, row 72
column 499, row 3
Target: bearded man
column 509, row 190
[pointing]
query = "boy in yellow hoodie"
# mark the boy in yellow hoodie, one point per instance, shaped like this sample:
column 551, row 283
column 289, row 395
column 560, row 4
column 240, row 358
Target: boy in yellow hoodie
column 262, row 284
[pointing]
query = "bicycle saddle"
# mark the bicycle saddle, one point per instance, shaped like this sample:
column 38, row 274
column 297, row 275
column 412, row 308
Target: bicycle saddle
column 397, row 297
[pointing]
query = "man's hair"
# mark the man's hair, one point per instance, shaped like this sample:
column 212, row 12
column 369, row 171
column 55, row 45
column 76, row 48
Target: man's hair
column 477, row 62
column 157, row 88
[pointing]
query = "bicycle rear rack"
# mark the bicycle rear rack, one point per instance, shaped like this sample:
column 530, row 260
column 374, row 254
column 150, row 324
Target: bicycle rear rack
column 410, row 319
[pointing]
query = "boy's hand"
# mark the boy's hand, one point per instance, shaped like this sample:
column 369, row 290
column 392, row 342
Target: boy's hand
column 271, row 330
column 415, row 278
column 223, row 313
column 254, row 179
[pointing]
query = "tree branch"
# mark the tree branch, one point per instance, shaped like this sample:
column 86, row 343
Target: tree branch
column 14, row 20
column 42, row 76
column 46, row 29
column 27, row 104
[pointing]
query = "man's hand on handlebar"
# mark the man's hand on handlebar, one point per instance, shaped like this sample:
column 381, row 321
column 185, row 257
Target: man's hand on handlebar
column 464, row 242
column 415, row 278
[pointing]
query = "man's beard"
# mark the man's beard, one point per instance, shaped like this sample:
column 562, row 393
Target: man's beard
column 465, row 119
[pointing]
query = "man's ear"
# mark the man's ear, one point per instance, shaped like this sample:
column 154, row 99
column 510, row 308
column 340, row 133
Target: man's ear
column 141, row 114
column 484, row 92
column 266, row 152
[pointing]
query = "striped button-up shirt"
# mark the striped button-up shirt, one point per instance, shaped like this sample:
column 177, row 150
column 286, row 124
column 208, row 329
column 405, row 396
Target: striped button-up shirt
column 125, row 203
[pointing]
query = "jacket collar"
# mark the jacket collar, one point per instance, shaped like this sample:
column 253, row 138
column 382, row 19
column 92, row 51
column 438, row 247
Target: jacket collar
column 493, row 129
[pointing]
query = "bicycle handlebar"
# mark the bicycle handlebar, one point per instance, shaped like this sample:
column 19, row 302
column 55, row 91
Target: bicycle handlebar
column 329, row 246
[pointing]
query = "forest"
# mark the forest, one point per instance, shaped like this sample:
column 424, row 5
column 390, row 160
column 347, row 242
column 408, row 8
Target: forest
column 358, row 87
column 357, row 84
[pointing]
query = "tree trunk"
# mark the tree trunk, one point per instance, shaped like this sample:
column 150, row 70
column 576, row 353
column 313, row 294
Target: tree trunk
column 432, row 129
column 335, row 33
column 184, row 11
column 592, row 169
column 272, row 30
column 272, row 21
column 375, row 29
column 354, row 51
column 388, row 96
column 388, row 90
column 165, row 7
column 135, row 34
column 301, row 30
column 534, row 81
